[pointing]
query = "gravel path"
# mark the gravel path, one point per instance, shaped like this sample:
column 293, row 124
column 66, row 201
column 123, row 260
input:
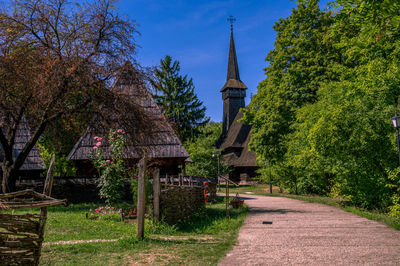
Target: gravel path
column 282, row 231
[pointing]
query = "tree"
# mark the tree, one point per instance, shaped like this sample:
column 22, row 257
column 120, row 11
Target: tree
column 176, row 97
column 201, row 151
column 297, row 66
column 346, row 135
column 57, row 59
column 330, row 134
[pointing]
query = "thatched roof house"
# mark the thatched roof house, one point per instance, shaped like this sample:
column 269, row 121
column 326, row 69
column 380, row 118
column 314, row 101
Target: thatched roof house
column 235, row 135
column 158, row 142
column 33, row 164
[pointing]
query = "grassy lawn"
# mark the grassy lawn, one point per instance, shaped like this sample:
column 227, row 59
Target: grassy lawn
column 203, row 240
column 263, row 189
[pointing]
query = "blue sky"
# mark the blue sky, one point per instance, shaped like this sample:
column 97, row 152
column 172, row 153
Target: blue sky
column 197, row 34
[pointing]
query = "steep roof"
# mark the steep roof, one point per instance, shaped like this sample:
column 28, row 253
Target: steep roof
column 235, row 145
column 161, row 142
column 233, row 77
column 33, row 161
column 233, row 69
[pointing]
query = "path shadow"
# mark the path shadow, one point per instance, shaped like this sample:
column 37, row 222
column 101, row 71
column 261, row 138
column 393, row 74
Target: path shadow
column 281, row 211
column 232, row 196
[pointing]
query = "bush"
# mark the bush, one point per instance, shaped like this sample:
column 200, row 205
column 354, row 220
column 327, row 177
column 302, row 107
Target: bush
column 112, row 171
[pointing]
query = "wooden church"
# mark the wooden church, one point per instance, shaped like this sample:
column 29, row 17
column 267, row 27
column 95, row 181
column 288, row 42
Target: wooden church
column 235, row 135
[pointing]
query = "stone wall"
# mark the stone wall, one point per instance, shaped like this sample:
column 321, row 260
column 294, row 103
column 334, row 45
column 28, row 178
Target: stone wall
column 178, row 203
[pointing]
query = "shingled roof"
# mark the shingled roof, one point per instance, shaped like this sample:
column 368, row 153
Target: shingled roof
column 161, row 142
column 33, row 161
column 236, row 143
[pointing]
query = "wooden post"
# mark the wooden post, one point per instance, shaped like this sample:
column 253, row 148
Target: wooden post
column 184, row 169
column 191, row 181
column 270, row 177
column 156, row 195
column 141, row 199
column 227, row 198
column 48, row 184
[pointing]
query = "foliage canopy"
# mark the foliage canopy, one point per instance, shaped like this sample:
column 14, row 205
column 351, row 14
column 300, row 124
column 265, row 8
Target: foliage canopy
column 322, row 115
column 201, row 151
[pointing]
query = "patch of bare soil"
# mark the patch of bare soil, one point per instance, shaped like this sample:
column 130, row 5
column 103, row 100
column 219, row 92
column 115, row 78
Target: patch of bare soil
column 74, row 242
column 208, row 239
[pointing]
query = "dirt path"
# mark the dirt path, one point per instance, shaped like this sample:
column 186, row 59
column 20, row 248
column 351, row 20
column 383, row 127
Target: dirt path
column 282, row 231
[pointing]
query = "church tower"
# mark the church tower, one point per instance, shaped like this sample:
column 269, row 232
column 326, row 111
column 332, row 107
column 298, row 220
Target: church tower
column 235, row 137
column 234, row 90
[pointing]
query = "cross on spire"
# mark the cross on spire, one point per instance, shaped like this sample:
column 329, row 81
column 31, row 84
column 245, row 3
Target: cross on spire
column 231, row 19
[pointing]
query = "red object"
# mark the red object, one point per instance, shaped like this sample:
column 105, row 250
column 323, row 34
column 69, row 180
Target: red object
column 205, row 183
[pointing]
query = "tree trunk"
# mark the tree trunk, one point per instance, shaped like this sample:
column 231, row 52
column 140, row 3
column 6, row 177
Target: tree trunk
column 9, row 179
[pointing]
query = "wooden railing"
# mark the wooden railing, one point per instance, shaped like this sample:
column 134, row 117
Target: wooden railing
column 191, row 181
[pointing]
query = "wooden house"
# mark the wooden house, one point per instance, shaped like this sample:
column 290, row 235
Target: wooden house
column 33, row 165
column 159, row 143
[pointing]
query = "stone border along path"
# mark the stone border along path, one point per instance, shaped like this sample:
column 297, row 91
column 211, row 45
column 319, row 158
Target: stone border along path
column 282, row 231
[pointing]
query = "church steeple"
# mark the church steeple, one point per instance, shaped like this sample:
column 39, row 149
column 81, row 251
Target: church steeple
column 234, row 91
column 233, row 69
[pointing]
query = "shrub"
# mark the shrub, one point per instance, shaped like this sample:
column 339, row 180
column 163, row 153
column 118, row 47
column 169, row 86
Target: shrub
column 112, row 171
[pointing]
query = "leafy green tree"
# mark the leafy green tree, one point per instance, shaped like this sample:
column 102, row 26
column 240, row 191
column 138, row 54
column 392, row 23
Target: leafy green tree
column 347, row 135
column 176, row 97
column 332, row 134
column 201, row 151
column 378, row 19
column 298, row 65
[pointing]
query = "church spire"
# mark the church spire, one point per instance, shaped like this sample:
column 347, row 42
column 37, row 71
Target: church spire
column 233, row 69
column 232, row 78
column 234, row 91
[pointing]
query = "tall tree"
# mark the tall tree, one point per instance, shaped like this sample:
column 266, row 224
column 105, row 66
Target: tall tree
column 347, row 134
column 176, row 97
column 323, row 112
column 297, row 66
column 56, row 60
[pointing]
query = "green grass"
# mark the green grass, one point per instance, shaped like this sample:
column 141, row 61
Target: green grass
column 263, row 189
column 203, row 240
